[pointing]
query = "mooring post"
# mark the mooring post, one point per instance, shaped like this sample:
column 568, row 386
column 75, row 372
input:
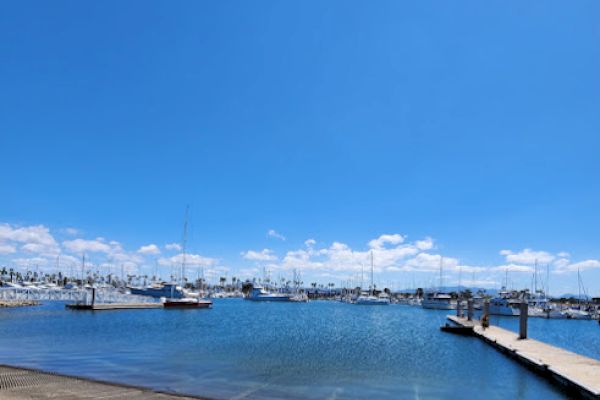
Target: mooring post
column 93, row 296
column 470, row 309
column 524, row 313
column 485, row 317
column 458, row 308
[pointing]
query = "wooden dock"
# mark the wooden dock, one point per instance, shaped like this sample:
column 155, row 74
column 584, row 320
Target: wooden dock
column 29, row 384
column 114, row 306
column 578, row 374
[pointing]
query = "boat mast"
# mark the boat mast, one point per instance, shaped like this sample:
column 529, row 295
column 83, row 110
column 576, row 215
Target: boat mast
column 547, row 281
column 183, row 244
column 535, row 277
column 372, row 285
column 441, row 275
column 578, row 289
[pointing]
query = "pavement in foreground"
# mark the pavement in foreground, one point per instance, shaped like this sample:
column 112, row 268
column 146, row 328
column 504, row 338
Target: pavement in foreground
column 27, row 384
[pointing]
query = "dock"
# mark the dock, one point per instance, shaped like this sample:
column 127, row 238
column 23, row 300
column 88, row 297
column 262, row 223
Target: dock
column 578, row 374
column 29, row 384
column 114, row 306
column 18, row 303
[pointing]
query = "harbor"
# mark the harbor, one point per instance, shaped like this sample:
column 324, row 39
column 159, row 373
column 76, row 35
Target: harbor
column 227, row 351
column 300, row 200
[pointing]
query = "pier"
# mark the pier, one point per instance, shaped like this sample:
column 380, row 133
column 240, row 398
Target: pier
column 29, row 384
column 576, row 373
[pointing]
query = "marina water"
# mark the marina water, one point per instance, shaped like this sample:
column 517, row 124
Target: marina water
column 316, row 350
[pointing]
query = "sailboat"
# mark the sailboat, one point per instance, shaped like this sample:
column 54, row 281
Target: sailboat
column 439, row 300
column 369, row 299
column 578, row 313
column 185, row 302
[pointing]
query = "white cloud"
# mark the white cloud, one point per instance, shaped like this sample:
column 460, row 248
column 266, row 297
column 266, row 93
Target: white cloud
column 35, row 238
column 149, row 249
column 71, row 231
column 512, row 268
column 6, row 248
column 425, row 244
column 527, row 256
column 31, row 262
column 81, row 245
column 467, row 269
column 431, row 262
column 272, row 233
column 390, row 253
column 384, row 239
column 579, row 266
column 264, row 255
column 190, row 260
column 173, row 246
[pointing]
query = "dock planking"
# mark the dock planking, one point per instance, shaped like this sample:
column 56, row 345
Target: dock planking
column 577, row 373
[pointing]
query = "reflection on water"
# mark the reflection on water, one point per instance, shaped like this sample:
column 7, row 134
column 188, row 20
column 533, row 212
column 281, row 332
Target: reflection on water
column 271, row 350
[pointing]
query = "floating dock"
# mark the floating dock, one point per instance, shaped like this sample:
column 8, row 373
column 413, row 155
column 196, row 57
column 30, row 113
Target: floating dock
column 114, row 306
column 29, row 384
column 578, row 374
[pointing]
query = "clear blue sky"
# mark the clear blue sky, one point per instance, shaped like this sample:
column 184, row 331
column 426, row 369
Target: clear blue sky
column 475, row 124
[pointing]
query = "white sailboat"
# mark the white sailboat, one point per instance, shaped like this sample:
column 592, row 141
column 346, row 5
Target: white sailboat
column 369, row 299
column 578, row 312
column 184, row 302
column 439, row 300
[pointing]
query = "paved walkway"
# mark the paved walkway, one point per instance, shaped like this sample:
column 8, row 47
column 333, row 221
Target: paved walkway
column 26, row 384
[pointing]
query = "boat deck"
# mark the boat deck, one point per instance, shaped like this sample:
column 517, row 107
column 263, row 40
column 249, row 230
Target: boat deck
column 27, row 384
column 575, row 372
column 114, row 306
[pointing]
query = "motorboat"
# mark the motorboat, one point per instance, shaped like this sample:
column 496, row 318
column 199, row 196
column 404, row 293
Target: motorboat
column 258, row 293
column 170, row 290
column 370, row 300
column 438, row 301
column 505, row 304
column 186, row 302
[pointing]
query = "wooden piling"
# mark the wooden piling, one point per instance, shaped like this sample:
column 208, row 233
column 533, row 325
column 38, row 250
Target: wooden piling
column 524, row 314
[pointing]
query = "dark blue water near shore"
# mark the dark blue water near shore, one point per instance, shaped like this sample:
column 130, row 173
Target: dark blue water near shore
column 317, row 350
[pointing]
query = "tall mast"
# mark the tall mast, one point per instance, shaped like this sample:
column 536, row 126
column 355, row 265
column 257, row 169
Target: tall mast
column 372, row 286
column 579, row 288
column 441, row 275
column 547, row 280
column 535, row 277
column 184, row 243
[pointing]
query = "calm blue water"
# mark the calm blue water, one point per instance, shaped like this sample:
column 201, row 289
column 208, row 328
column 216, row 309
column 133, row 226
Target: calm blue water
column 317, row 350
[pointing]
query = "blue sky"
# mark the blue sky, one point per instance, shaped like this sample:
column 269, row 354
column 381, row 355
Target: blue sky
column 473, row 124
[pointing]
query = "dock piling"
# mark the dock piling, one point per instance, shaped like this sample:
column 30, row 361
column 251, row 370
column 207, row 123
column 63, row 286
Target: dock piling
column 524, row 313
column 485, row 316
column 470, row 310
column 459, row 308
